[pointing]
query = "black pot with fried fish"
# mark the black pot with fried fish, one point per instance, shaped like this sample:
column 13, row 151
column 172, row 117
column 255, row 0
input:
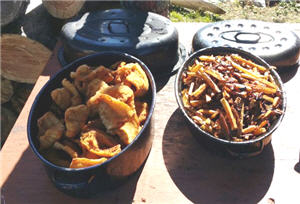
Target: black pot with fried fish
column 87, row 181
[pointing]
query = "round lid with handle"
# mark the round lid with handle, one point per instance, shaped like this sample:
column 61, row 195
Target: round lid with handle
column 271, row 41
column 148, row 36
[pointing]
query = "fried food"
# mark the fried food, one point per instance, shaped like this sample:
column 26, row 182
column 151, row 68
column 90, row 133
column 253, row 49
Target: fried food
column 141, row 111
column 47, row 121
column 100, row 112
column 75, row 118
column 79, row 77
column 96, row 85
column 76, row 98
column 62, row 98
column 84, row 162
column 51, row 135
column 231, row 97
column 132, row 75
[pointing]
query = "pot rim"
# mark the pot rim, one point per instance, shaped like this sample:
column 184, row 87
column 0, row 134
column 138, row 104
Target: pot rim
column 228, row 50
column 69, row 66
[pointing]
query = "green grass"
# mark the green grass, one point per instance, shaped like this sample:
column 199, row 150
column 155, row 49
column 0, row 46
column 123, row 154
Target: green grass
column 284, row 12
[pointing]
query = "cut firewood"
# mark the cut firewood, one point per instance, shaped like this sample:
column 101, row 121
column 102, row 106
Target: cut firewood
column 8, row 119
column 20, row 96
column 22, row 59
column 63, row 9
column 7, row 90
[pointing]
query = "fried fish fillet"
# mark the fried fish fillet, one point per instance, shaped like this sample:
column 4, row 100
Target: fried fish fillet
column 75, row 98
column 132, row 75
column 79, row 77
column 62, row 98
column 101, row 73
column 84, row 162
column 118, row 117
column 94, row 86
column 120, row 92
column 141, row 111
column 47, row 121
column 75, row 118
column 50, row 137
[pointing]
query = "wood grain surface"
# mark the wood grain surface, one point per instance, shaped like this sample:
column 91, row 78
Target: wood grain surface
column 22, row 59
column 178, row 169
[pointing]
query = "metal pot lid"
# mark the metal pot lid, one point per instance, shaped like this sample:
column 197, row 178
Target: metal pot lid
column 277, row 45
column 148, row 36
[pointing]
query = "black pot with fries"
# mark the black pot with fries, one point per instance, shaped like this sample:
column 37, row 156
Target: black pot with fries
column 232, row 100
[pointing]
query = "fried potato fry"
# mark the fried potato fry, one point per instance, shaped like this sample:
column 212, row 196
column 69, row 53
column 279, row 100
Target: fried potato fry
column 228, row 90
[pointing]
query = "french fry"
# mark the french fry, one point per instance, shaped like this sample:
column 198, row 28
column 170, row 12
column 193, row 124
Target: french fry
column 210, row 82
column 240, row 59
column 268, row 98
column 229, row 114
column 215, row 74
column 207, row 58
column 249, row 129
column 199, row 91
column 275, row 101
column 224, row 126
column 239, row 100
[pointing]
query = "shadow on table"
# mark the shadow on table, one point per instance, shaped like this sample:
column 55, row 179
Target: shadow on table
column 29, row 183
column 207, row 178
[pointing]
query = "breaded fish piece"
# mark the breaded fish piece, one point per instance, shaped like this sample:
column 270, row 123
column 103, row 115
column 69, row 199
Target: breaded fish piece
column 101, row 73
column 94, row 86
column 84, row 162
column 119, row 91
column 47, row 121
column 113, row 112
column 51, row 136
column 132, row 75
column 75, row 98
column 118, row 117
column 66, row 148
column 128, row 131
column 62, row 98
column 75, row 118
column 79, row 77
column 142, row 110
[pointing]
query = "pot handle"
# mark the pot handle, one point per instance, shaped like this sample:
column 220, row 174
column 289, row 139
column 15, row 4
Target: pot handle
column 64, row 183
column 247, row 37
column 246, row 154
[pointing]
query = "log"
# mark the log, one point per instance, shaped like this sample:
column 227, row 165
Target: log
column 199, row 4
column 8, row 119
column 63, row 9
column 20, row 96
column 22, row 59
column 7, row 90
column 12, row 10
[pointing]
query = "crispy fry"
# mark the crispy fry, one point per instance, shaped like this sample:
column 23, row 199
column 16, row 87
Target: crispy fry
column 215, row 74
column 210, row 82
column 268, row 98
column 229, row 113
column 240, row 59
column 243, row 90
column 199, row 91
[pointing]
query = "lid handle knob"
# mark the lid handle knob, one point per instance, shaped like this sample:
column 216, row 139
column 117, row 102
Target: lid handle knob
column 247, row 37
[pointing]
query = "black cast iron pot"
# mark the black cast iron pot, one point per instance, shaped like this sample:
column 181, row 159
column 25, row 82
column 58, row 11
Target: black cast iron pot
column 218, row 145
column 88, row 181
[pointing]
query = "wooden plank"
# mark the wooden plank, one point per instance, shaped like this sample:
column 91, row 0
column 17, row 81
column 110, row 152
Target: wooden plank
column 178, row 169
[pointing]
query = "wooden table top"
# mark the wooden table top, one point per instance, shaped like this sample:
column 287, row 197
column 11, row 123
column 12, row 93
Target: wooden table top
column 178, row 169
